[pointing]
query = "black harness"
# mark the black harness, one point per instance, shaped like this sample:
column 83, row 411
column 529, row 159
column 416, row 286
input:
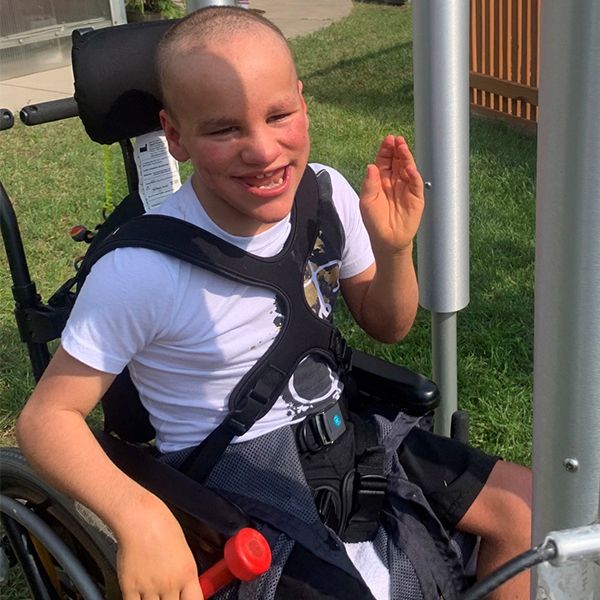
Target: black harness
column 358, row 496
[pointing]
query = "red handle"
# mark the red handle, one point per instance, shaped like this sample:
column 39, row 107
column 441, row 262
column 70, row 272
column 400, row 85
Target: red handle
column 247, row 555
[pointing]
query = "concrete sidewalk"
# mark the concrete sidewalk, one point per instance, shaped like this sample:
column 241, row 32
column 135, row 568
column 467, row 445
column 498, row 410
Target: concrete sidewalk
column 294, row 17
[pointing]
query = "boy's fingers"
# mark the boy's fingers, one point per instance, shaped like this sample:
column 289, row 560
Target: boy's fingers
column 385, row 154
column 415, row 182
column 371, row 183
column 403, row 151
column 191, row 594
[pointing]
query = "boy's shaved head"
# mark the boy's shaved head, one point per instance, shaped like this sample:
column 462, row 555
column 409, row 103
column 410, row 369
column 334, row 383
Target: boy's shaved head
column 198, row 29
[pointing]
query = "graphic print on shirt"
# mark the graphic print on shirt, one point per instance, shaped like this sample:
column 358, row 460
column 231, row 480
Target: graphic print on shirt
column 321, row 280
column 313, row 384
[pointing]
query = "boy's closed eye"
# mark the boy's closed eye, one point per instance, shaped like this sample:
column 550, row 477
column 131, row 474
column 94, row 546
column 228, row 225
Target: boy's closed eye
column 223, row 131
column 278, row 117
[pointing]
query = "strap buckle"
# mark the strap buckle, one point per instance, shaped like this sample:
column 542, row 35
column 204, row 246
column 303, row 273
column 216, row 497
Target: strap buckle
column 330, row 424
column 340, row 349
column 372, row 485
column 322, row 429
column 240, row 421
column 370, row 495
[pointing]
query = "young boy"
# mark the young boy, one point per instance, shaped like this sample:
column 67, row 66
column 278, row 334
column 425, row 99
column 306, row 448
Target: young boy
column 233, row 105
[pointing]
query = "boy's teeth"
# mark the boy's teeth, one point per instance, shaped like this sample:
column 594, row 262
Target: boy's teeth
column 262, row 176
column 271, row 185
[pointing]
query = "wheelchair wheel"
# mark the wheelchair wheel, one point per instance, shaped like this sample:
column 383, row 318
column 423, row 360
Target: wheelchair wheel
column 70, row 524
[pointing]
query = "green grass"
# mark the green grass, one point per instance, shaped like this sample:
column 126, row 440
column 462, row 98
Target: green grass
column 358, row 84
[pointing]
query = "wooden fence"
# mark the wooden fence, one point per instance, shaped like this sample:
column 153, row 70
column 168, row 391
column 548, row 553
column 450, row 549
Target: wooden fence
column 504, row 60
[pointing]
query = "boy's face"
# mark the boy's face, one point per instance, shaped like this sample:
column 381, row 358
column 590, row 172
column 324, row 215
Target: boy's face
column 237, row 111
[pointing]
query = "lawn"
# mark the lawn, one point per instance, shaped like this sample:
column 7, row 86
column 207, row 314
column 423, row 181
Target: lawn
column 357, row 78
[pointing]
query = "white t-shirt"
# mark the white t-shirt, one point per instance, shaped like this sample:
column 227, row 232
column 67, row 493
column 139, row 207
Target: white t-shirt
column 189, row 335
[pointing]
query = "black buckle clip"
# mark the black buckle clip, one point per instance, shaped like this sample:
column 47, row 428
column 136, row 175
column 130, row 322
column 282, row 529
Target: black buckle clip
column 322, row 429
column 372, row 484
column 371, row 494
column 340, row 349
column 330, row 424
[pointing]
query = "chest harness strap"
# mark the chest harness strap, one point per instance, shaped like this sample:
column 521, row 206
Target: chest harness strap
column 302, row 332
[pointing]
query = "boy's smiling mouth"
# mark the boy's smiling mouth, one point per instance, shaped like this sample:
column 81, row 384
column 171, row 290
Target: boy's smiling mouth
column 274, row 181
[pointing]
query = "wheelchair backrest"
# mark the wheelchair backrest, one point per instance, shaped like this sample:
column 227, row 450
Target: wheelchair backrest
column 115, row 85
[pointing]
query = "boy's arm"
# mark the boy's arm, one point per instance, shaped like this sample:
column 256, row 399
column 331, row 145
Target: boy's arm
column 153, row 556
column 383, row 299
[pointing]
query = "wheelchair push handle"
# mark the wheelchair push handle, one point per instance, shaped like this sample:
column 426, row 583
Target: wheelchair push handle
column 7, row 120
column 247, row 555
column 46, row 112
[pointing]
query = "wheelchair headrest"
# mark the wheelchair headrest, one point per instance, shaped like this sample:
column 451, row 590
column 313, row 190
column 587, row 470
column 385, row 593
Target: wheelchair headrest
column 115, row 84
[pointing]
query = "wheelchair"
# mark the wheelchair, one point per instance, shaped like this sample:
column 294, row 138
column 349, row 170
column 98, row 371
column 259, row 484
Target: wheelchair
column 63, row 549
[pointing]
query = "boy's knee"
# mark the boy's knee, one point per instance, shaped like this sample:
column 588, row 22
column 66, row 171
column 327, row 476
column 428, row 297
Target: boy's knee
column 502, row 510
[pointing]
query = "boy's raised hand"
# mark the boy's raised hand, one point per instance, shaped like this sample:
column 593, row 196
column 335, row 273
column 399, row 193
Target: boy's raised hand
column 392, row 198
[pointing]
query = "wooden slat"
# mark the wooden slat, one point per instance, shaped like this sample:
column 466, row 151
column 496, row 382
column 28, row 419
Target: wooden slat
column 503, row 38
column 479, row 20
column 514, row 48
column 535, row 51
column 527, row 44
column 473, row 52
column 509, row 89
column 520, row 51
column 483, row 48
column 496, row 71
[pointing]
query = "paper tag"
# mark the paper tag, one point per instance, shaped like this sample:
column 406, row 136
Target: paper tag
column 158, row 171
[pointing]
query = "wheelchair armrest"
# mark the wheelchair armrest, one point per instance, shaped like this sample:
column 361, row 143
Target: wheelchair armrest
column 378, row 380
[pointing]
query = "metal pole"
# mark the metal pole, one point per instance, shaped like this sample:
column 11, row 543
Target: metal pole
column 444, row 367
column 566, row 440
column 193, row 5
column 441, row 89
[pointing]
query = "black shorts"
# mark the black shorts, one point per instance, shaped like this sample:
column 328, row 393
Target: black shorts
column 450, row 473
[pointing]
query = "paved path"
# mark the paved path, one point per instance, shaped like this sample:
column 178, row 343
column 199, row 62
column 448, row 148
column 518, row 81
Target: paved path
column 293, row 17
column 300, row 17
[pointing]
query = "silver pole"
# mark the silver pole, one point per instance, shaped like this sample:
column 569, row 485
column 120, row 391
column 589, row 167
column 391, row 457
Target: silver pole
column 193, row 5
column 566, row 432
column 444, row 361
column 441, row 89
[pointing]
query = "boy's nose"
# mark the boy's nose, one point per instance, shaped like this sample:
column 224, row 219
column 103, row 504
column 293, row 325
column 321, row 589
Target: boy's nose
column 261, row 148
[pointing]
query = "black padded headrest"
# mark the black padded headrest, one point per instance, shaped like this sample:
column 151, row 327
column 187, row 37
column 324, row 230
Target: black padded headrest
column 115, row 85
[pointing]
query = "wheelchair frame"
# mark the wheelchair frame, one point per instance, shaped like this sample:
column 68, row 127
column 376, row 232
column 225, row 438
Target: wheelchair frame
column 32, row 513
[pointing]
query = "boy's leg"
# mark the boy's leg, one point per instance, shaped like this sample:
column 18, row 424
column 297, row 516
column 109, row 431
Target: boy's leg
column 476, row 493
column 501, row 515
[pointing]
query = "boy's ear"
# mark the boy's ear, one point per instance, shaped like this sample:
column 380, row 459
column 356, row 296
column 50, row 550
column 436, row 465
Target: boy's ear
column 300, row 87
column 176, row 147
column 304, row 107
